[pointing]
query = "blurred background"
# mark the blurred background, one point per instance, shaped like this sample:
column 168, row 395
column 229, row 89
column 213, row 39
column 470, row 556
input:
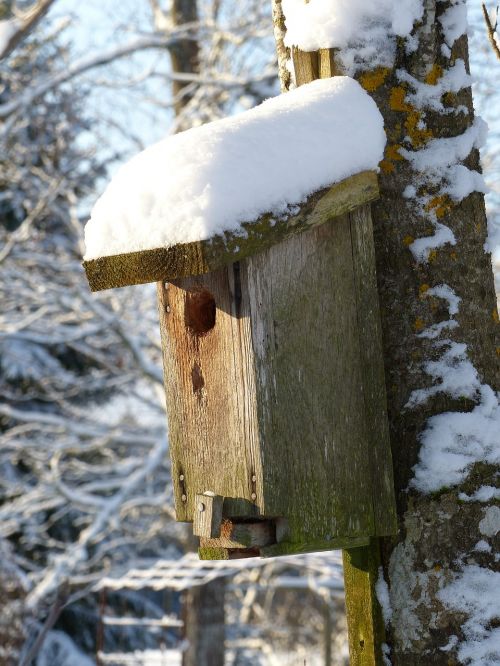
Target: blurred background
column 93, row 567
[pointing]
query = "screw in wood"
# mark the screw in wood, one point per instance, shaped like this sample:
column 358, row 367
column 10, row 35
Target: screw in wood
column 167, row 309
column 254, row 478
column 181, row 477
column 183, row 498
column 253, row 496
column 201, row 507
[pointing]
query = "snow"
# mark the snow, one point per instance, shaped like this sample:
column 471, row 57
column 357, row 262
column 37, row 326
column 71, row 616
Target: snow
column 208, row 180
column 429, row 96
column 438, row 165
column 453, row 441
column 382, row 592
column 59, row 650
column 454, row 22
column 8, row 29
column 422, row 247
column 490, row 523
column 142, row 658
column 322, row 24
column 440, row 154
column 482, row 546
column 482, row 494
column 474, row 592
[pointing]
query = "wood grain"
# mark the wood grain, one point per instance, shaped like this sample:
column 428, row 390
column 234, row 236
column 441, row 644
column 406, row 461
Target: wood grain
column 313, row 432
column 187, row 259
column 210, row 392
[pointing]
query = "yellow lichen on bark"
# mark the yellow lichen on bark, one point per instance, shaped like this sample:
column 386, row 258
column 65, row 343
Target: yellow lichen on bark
column 440, row 205
column 419, row 324
column 373, row 79
column 418, row 133
column 433, row 76
column 397, row 100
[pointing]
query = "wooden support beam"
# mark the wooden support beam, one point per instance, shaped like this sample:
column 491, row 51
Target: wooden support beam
column 364, row 616
column 239, row 535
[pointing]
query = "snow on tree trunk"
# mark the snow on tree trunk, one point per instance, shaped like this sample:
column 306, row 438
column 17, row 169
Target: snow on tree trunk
column 441, row 341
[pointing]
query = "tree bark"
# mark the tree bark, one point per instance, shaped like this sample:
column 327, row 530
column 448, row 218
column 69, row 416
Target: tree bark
column 204, row 621
column 185, row 56
column 438, row 532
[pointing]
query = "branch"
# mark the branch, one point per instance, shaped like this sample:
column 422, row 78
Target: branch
column 90, row 62
column 24, row 25
column 491, row 30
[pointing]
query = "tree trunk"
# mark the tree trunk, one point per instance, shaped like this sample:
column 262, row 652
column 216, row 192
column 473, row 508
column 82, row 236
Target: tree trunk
column 204, row 622
column 185, row 57
column 421, row 322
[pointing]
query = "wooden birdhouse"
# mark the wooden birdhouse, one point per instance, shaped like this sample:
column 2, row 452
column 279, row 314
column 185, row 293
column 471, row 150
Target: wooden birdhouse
column 274, row 376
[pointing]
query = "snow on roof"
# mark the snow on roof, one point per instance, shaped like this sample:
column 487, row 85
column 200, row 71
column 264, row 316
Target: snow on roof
column 208, row 180
column 320, row 24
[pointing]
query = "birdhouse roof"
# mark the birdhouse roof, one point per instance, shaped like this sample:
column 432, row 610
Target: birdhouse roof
column 215, row 194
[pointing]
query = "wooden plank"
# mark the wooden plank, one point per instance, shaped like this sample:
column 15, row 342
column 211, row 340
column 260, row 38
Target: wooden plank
column 311, row 408
column 238, row 535
column 364, row 617
column 210, row 391
column 370, row 334
column 169, row 263
column 306, row 65
column 207, row 515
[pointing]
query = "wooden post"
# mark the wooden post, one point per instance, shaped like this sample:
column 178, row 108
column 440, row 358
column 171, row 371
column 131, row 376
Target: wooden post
column 204, row 619
column 364, row 617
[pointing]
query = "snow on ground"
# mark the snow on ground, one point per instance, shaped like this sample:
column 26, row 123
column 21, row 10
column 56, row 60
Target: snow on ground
column 210, row 179
column 365, row 32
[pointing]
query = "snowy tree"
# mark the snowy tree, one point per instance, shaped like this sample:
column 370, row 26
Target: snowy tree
column 84, row 460
column 439, row 317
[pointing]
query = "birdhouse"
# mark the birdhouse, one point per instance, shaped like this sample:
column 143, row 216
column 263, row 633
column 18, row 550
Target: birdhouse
column 274, row 375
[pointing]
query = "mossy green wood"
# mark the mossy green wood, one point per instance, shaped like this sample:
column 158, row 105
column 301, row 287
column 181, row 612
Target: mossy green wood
column 364, row 617
column 187, row 259
column 320, row 386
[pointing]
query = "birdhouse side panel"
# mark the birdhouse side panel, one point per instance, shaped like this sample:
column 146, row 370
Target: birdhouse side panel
column 210, row 391
column 374, row 387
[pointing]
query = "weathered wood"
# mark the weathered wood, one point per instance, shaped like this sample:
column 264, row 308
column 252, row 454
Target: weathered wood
column 240, row 535
column 210, row 391
column 373, row 385
column 273, row 403
column 306, row 65
column 207, row 515
column 364, row 618
column 189, row 259
column 315, row 438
